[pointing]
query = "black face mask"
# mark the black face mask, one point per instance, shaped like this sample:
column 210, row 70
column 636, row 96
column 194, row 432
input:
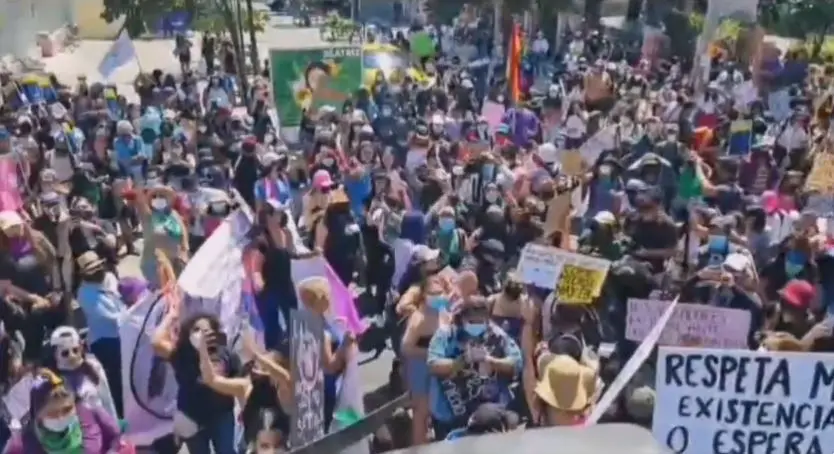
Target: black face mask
column 188, row 184
column 547, row 195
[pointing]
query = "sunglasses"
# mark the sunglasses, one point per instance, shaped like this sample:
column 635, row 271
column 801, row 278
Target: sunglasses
column 74, row 351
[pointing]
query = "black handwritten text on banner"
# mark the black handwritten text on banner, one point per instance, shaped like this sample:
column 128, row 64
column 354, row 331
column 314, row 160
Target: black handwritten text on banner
column 744, row 402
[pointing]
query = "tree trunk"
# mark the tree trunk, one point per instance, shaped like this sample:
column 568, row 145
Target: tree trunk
column 654, row 14
column 253, row 38
column 237, row 43
column 593, row 12
column 633, row 10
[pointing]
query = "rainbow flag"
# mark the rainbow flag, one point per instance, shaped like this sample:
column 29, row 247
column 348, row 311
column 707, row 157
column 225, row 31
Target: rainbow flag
column 514, row 57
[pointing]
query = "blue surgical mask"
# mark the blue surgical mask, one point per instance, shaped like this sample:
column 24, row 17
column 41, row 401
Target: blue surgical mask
column 718, row 244
column 438, row 303
column 474, row 329
column 446, row 224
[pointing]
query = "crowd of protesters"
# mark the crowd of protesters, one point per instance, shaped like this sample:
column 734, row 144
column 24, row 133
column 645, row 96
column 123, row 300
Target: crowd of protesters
column 429, row 201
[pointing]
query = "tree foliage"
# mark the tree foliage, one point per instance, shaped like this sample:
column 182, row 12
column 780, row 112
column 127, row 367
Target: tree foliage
column 797, row 18
column 207, row 15
column 336, row 28
column 215, row 22
column 140, row 15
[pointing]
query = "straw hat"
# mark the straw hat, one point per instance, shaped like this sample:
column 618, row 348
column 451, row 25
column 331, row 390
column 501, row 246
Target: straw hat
column 9, row 219
column 89, row 262
column 567, row 385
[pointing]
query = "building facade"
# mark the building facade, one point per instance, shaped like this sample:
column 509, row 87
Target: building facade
column 22, row 20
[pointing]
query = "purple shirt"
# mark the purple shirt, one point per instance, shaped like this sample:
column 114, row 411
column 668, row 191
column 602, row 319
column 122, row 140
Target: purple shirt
column 523, row 124
column 101, row 434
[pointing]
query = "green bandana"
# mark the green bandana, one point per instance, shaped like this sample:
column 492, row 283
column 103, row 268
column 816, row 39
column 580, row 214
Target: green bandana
column 169, row 223
column 449, row 243
column 70, row 441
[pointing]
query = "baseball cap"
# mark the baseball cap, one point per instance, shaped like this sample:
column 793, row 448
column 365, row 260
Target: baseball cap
column 798, row 294
column 322, row 179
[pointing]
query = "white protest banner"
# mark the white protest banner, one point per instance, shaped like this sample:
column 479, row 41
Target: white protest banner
column 579, row 277
column 149, row 388
column 691, row 325
column 637, row 359
column 728, row 401
column 540, row 265
column 211, row 283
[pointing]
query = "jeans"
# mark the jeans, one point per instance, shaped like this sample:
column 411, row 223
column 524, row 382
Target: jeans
column 220, row 435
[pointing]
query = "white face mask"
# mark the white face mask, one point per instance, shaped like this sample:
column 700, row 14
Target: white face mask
column 605, row 170
column 196, row 338
column 672, row 137
column 491, row 197
column 58, row 424
column 327, row 161
column 218, row 207
column 159, row 203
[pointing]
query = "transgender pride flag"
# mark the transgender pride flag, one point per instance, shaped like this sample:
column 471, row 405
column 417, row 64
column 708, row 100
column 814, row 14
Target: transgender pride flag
column 249, row 310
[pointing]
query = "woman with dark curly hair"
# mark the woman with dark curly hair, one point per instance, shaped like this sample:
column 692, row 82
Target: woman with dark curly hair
column 204, row 417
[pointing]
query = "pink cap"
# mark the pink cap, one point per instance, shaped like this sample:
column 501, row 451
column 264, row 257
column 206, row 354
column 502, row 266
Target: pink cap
column 773, row 202
column 321, row 179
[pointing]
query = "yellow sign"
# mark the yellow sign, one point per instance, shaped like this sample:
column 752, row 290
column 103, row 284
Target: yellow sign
column 580, row 285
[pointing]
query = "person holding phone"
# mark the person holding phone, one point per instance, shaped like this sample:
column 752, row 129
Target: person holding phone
column 205, row 417
column 472, row 361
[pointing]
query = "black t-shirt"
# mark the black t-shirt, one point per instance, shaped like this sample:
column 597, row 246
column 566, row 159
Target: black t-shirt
column 194, row 398
column 776, row 275
column 652, row 234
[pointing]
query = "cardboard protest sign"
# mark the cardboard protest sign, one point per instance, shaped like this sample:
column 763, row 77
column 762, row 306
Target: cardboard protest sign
column 577, row 278
column 743, row 401
column 691, row 325
column 308, row 378
column 559, row 208
column 821, row 177
column 540, row 265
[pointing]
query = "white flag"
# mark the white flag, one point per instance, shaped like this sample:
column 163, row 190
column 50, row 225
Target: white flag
column 120, row 53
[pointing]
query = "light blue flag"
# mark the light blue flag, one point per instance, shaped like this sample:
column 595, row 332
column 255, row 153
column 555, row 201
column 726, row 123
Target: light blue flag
column 121, row 53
